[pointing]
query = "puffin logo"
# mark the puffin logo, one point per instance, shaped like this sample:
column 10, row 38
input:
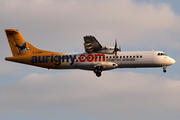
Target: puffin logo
column 23, row 47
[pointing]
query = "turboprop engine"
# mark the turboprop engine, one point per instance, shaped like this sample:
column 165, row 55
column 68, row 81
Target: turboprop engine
column 107, row 50
column 89, row 48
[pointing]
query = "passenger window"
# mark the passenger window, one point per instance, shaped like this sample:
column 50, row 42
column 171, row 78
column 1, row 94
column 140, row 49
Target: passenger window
column 123, row 56
column 130, row 56
column 133, row 56
column 159, row 53
column 141, row 56
column 120, row 56
column 126, row 56
column 113, row 56
column 106, row 56
column 137, row 56
column 109, row 56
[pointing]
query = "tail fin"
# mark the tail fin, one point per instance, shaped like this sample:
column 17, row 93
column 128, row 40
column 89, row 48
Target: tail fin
column 18, row 45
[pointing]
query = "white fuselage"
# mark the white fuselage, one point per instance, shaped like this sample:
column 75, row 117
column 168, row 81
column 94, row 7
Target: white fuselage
column 134, row 59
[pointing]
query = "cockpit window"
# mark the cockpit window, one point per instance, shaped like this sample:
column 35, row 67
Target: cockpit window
column 161, row 54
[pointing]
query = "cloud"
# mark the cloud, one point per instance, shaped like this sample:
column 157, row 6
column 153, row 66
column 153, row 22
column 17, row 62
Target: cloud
column 128, row 95
column 62, row 22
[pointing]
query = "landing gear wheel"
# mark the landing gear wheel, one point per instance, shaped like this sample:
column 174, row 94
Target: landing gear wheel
column 164, row 69
column 98, row 70
column 98, row 74
column 95, row 70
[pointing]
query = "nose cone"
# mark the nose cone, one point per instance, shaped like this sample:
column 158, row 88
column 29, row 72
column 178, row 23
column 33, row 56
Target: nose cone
column 172, row 61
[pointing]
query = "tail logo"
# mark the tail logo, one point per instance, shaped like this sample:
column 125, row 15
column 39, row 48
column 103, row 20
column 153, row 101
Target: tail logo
column 23, row 47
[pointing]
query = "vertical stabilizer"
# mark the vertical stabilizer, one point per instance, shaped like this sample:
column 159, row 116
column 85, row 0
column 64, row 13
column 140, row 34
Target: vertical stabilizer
column 18, row 45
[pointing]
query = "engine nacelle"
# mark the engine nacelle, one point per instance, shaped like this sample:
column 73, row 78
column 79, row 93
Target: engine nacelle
column 107, row 50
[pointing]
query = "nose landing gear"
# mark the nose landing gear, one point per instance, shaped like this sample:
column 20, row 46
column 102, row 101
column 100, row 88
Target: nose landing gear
column 164, row 69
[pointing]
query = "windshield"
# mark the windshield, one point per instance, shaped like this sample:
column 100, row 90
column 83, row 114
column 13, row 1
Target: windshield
column 161, row 54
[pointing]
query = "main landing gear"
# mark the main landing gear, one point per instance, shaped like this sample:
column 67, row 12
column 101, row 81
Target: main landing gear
column 164, row 69
column 98, row 70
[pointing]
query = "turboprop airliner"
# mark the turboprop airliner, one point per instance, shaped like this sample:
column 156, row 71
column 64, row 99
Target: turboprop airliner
column 96, row 58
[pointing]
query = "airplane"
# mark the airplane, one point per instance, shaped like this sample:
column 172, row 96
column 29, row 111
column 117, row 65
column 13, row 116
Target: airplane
column 96, row 58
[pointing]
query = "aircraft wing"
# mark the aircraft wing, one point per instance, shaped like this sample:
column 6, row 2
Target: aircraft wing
column 91, row 44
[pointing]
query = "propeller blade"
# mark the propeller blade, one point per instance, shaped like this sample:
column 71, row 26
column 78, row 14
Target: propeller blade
column 115, row 44
column 115, row 49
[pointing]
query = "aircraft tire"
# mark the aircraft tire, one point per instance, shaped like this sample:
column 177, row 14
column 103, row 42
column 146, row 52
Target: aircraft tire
column 98, row 74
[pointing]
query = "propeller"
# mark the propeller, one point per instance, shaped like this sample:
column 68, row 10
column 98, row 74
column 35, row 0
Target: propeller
column 116, row 49
column 105, row 48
